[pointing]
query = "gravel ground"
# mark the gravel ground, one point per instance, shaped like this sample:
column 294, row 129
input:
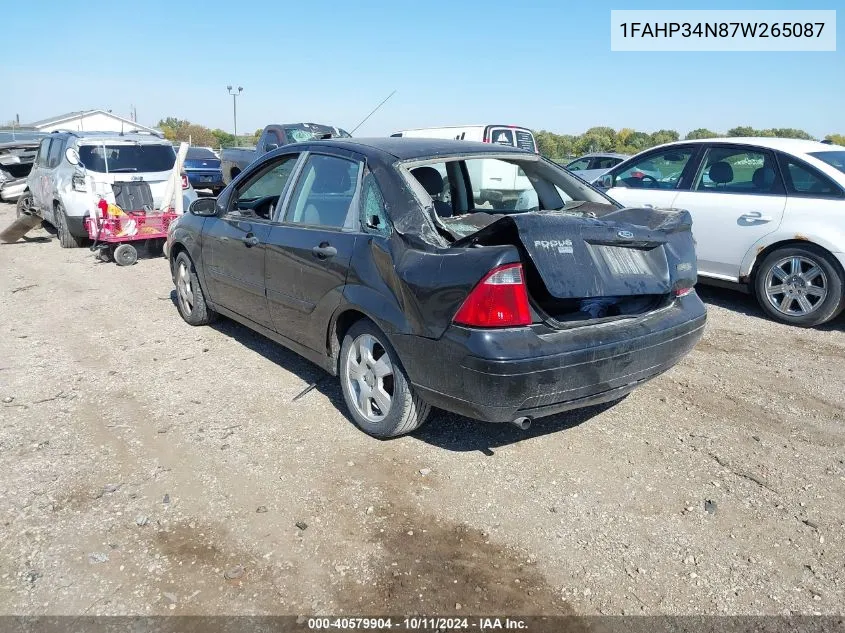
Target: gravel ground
column 154, row 468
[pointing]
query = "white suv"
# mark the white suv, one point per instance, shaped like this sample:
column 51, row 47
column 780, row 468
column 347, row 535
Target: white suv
column 73, row 170
column 768, row 215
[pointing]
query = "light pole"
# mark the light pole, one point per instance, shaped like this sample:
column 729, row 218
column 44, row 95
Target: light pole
column 235, row 94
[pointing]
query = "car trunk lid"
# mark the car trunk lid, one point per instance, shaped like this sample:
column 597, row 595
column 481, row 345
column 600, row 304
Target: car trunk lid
column 626, row 261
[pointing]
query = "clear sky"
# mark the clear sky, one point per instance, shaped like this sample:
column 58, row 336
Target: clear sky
column 542, row 64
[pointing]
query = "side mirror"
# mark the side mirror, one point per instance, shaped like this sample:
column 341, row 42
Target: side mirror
column 203, row 207
column 72, row 156
column 605, row 181
column 269, row 147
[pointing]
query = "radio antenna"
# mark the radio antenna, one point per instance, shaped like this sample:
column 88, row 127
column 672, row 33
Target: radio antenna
column 373, row 112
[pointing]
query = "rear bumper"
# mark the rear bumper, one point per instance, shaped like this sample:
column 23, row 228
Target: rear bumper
column 498, row 376
column 197, row 180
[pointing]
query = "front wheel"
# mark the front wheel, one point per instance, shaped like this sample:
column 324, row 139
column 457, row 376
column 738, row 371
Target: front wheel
column 376, row 389
column 800, row 285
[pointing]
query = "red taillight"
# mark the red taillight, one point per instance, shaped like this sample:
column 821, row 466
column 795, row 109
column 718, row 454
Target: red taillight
column 185, row 183
column 499, row 300
column 682, row 292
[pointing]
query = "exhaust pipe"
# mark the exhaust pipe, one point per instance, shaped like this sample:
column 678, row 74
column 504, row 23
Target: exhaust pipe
column 522, row 423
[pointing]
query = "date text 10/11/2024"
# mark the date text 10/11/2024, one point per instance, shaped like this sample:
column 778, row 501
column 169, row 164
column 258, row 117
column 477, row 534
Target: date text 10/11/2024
column 420, row 623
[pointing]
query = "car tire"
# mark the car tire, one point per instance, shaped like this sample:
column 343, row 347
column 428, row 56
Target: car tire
column 368, row 381
column 190, row 298
column 25, row 205
column 800, row 285
column 66, row 238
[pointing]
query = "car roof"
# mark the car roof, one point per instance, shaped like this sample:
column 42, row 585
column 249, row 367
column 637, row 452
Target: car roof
column 405, row 148
column 789, row 145
column 88, row 138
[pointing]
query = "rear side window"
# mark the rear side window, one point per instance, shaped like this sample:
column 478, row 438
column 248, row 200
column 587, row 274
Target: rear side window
column 43, row 151
column 525, row 140
column 324, row 192
column 731, row 170
column 373, row 215
column 55, row 155
column 114, row 159
column 803, row 180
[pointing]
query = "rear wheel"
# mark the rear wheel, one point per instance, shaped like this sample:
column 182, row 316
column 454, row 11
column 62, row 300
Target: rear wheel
column 66, row 238
column 25, row 205
column 375, row 387
column 190, row 299
column 800, row 285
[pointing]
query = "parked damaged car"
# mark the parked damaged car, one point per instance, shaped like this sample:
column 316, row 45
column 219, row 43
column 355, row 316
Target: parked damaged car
column 17, row 155
column 233, row 160
column 372, row 259
column 73, row 171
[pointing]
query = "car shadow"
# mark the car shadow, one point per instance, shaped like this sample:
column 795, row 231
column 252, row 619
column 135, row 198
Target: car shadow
column 459, row 434
column 730, row 299
column 743, row 303
column 443, row 429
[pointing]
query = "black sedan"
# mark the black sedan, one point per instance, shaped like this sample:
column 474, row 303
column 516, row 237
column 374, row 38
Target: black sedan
column 385, row 262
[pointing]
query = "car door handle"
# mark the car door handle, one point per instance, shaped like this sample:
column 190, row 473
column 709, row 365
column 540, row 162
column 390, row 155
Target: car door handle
column 324, row 250
column 250, row 240
column 756, row 215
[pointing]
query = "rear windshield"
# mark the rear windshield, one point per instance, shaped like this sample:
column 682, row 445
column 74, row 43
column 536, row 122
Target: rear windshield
column 200, row 152
column 296, row 135
column 834, row 159
column 110, row 159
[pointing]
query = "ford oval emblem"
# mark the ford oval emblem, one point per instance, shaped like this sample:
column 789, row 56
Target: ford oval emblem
column 625, row 235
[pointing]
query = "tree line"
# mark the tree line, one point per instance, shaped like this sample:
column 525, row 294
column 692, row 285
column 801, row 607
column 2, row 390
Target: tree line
column 629, row 141
column 183, row 130
column 551, row 145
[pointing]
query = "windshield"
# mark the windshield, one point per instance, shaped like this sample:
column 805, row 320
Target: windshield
column 111, row 159
column 296, row 135
column 834, row 159
column 7, row 136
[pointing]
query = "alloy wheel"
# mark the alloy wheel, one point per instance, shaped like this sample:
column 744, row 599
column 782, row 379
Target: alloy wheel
column 369, row 376
column 184, row 288
column 796, row 286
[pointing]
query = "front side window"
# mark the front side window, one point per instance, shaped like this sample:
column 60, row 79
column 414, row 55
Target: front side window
column 606, row 162
column 803, row 180
column 661, row 170
column 259, row 195
column 578, row 165
column 324, row 192
column 731, row 170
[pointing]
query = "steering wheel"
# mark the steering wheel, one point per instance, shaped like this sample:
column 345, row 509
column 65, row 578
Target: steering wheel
column 654, row 184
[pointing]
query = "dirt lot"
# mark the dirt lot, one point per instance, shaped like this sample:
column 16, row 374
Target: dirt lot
column 154, row 468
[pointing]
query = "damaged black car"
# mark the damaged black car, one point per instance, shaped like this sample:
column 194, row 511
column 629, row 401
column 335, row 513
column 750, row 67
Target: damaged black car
column 476, row 278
